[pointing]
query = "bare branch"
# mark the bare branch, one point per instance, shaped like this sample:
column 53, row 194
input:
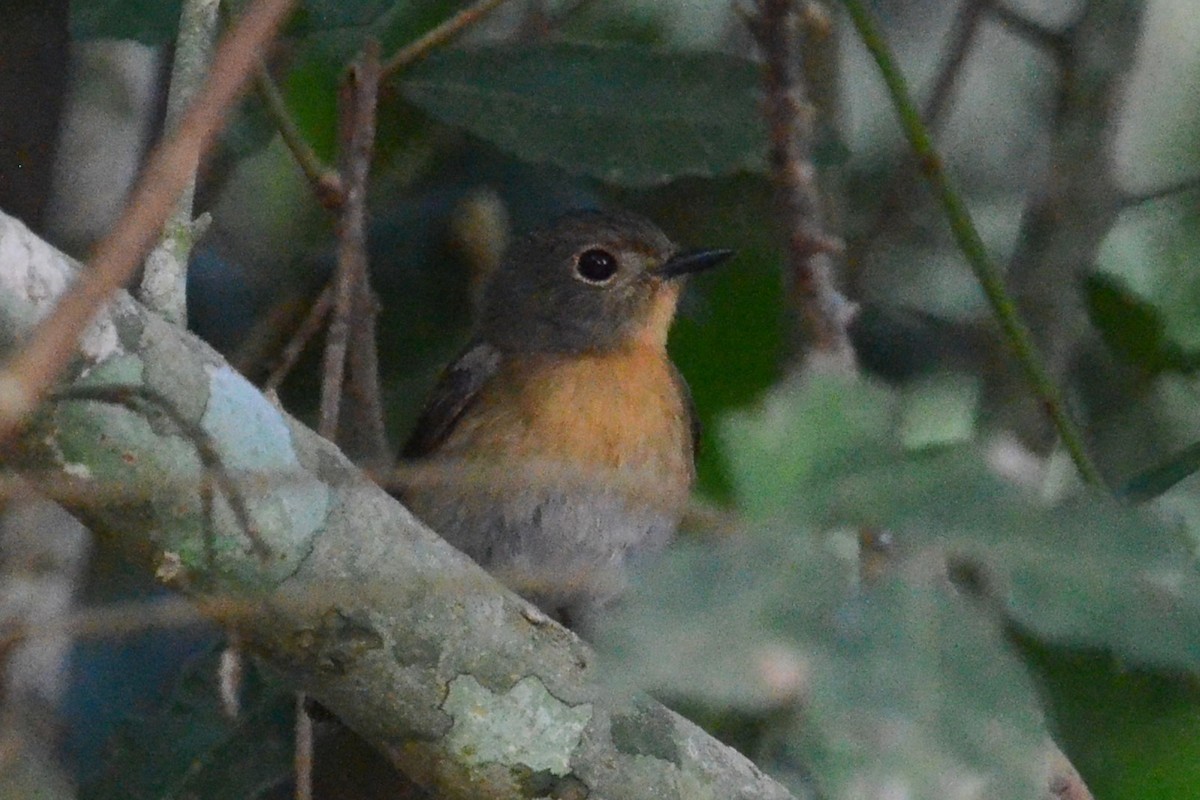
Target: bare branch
column 325, row 182
column 1129, row 200
column 937, row 103
column 1051, row 41
column 353, row 305
column 304, row 333
column 1069, row 215
column 446, row 32
column 790, row 125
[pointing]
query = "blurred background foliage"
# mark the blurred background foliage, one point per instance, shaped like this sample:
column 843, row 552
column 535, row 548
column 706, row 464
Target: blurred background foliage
column 914, row 594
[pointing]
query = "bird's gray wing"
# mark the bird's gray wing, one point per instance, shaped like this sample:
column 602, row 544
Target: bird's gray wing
column 454, row 393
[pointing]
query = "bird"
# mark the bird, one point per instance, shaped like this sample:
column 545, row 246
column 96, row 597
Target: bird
column 559, row 447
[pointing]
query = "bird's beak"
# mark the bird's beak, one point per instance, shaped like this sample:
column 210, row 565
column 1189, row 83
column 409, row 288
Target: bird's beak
column 692, row 261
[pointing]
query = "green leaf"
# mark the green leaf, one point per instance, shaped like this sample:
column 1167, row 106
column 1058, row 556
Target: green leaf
column 147, row 21
column 188, row 748
column 781, row 452
column 1134, row 329
column 1158, row 480
column 899, row 686
column 1086, row 573
column 902, row 681
column 622, row 114
column 1133, row 734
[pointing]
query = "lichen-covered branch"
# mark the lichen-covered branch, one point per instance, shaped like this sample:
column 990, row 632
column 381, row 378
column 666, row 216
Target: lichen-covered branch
column 460, row 683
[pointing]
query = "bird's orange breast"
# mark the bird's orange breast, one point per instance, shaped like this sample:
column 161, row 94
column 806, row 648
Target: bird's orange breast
column 621, row 411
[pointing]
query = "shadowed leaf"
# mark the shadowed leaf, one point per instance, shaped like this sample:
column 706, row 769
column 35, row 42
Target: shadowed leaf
column 618, row 113
column 188, row 748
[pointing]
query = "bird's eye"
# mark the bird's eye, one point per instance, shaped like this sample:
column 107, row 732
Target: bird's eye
column 596, row 265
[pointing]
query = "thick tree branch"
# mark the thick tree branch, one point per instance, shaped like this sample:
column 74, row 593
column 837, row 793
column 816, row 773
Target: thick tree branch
column 460, row 683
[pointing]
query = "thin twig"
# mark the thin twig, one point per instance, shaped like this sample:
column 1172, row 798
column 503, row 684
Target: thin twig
column 966, row 26
column 990, row 280
column 448, row 30
column 325, row 182
column 31, row 372
column 303, row 754
column 962, row 37
column 1170, row 190
column 358, row 99
column 790, row 126
column 364, row 439
column 1038, row 35
column 164, row 280
column 307, row 329
column 123, row 619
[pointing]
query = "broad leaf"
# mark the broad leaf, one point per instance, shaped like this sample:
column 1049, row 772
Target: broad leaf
column 1134, row 329
column 901, row 686
column 622, row 114
column 1089, row 572
column 902, row 680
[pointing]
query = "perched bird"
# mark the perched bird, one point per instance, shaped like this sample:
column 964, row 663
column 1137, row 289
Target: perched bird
column 561, row 443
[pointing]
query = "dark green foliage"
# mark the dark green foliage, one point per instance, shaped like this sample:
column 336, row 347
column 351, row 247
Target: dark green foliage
column 903, row 652
column 188, row 747
column 1157, row 480
column 1130, row 730
column 625, row 115
column 1134, row 329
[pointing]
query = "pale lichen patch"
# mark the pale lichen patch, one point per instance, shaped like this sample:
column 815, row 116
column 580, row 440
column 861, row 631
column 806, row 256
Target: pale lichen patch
column 523, row 727
column 78, row 471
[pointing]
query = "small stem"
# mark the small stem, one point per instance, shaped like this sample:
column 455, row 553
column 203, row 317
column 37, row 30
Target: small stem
column 325, row 182
column 1179, row 187
column 303, row 335
column 990, row 280
column 1038, row 35
column 898, row 191
column 448, row 30
column 359, row 95
column 164, row 280
column 790, row 126
column 962, row 37
column 303, row 759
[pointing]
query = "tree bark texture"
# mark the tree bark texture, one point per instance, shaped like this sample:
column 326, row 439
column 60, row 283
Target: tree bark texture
column 462, row 684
